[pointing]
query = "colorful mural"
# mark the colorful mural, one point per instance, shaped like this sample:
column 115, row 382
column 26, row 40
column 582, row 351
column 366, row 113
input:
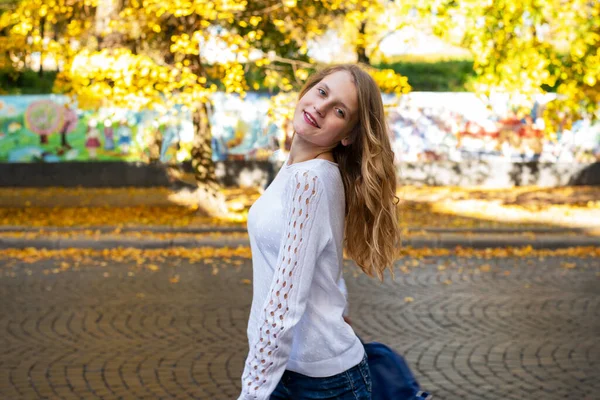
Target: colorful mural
column 424, row 127
column 50, row 129
column 460, row 126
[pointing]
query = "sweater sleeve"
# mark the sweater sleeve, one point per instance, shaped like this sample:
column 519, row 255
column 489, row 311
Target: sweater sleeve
column 301, row 245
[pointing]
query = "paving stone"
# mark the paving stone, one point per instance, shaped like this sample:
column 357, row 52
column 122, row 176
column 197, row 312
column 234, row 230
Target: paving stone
column 81, row 334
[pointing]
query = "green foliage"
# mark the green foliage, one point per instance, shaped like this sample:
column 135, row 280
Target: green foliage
column 437, row 76
column 434, row 76
column 526, row 47
column 26, row 82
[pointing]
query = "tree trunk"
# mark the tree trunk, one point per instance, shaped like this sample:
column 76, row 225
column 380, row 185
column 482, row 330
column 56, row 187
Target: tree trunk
column 155, row 146
column 63, row 138
column 362, row 55
column 211, row 198
column 42, row 29
column 202, row 163
column 361, row 51
column 63, row 141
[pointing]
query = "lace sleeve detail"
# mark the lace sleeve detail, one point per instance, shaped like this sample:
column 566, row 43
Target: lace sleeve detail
column 286, row 302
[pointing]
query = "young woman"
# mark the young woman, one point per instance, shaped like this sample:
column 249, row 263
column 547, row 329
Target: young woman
column 336, row 190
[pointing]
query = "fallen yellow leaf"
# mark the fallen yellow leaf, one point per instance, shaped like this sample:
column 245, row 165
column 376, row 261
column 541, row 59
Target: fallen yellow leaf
column 152, row 267
column 568, row 265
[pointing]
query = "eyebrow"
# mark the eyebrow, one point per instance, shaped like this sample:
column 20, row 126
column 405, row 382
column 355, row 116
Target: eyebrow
column 341, row 102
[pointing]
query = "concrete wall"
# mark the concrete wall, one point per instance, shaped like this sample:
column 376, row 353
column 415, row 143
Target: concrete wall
column 251, row 173
column 84, row 174
column 500, row 173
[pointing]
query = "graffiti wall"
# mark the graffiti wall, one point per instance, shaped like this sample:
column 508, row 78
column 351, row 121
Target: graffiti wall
column 424, row 127
column 461, row 126
column 50, row 129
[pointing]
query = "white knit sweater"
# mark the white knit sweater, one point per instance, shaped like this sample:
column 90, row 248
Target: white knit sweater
column 296, row 231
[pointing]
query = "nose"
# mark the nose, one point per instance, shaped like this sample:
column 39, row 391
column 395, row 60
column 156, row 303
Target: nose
column 318, row 110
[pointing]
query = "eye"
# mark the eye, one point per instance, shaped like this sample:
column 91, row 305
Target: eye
column 340, row 112
column 321, row 92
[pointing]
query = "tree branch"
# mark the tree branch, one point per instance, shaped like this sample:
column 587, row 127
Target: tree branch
column 290, row 61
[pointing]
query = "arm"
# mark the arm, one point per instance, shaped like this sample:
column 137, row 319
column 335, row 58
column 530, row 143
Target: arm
column 302, row 243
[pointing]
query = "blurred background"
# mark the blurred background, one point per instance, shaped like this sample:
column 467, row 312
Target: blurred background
column 136, row 134
column 199, row 94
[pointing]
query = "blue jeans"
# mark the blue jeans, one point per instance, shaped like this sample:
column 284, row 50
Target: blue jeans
column 353, row 384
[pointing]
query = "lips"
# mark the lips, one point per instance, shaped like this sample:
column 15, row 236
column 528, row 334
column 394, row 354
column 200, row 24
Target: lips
column 310, row 119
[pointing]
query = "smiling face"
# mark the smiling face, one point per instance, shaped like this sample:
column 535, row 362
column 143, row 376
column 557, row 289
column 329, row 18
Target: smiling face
column 328, row 111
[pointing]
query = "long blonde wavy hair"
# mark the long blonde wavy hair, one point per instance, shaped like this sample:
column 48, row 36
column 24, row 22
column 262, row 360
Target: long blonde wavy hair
column 372, row 233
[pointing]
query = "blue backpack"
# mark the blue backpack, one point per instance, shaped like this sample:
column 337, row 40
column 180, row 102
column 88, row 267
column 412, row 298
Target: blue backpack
column 392, row 378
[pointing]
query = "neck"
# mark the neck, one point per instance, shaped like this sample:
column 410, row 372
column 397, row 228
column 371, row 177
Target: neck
column 301, row 150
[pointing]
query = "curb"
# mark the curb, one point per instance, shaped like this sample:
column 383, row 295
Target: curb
column 451, row 241
column 115, row 242
column 243, row 229
column 111, row 229
column 448, row 241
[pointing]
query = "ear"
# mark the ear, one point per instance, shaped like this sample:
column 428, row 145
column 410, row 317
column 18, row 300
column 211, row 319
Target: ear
column 349, row 138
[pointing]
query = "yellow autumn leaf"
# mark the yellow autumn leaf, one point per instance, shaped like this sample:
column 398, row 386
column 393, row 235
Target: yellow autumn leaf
column 568, row 265
column 152, row 267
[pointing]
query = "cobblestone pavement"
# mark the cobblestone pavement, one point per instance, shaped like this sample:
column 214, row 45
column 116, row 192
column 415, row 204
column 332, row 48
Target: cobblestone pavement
column 470, row 329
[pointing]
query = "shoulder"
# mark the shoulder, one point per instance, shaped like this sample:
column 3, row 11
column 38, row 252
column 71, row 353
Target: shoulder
column 325, row 175
column 323, row 181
